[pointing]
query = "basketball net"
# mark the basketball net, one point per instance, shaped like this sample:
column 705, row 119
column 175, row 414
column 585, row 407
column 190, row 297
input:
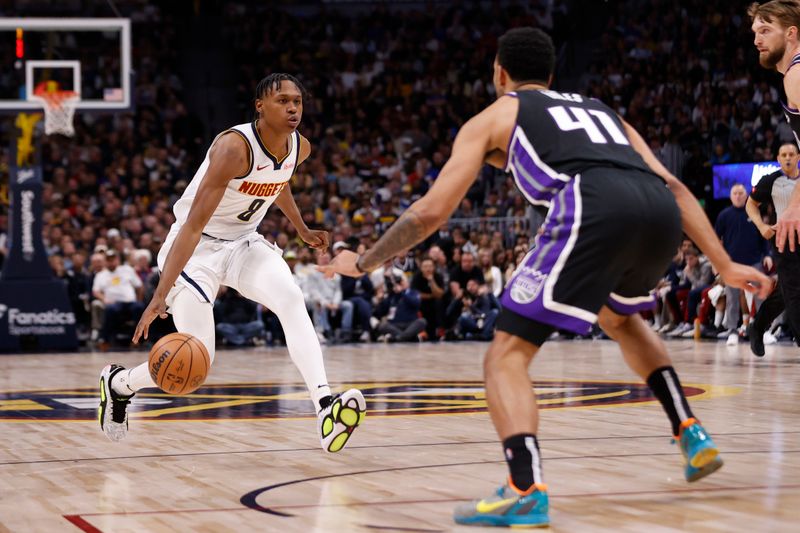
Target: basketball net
column 59, row 108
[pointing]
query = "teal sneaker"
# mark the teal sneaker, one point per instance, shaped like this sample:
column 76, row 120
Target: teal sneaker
column 507, row 507
column 698, row 450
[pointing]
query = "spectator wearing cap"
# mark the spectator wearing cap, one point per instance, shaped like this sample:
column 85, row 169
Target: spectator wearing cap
column 119, row 289
column 114, row 238
column 290, row 256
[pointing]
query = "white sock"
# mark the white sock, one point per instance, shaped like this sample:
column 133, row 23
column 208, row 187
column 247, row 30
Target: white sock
column 190, row 316
column 718, row 315
column 316, row 395
column 131, row 380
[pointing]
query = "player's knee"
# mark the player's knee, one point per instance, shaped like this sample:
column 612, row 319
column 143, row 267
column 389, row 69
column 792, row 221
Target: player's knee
column 293, row 294
column 507, row 349
column 611, row 322
column 491, row 359
column 284, row 298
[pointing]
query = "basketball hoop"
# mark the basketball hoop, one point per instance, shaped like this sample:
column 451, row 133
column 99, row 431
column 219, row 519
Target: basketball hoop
column 59, row 109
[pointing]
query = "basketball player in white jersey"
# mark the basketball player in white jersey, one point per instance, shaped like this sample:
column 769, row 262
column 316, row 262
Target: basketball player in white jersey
column 776, row 26
column 214, row 241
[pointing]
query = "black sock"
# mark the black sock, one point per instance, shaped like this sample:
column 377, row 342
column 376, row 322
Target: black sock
column 325, row 401
column 522, row 456
column 666, row 386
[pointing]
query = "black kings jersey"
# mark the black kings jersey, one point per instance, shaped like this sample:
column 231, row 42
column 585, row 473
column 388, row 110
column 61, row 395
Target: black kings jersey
column 793, row 115
column 559, row 135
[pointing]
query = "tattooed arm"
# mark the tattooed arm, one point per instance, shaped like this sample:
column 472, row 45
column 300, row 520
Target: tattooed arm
column 479, row 136
column 406, row 232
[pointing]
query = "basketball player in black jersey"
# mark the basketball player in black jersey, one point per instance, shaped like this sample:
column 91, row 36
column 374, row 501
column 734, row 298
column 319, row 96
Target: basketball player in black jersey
column 613, row 224
column 776, row 25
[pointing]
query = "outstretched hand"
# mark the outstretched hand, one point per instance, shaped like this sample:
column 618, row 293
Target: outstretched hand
column 156, row 308
column 748, row 279
column 344, row 263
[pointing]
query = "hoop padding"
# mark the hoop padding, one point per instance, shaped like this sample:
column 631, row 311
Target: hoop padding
column 59, row 111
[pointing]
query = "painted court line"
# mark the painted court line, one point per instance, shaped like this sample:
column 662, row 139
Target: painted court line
column 81, row 523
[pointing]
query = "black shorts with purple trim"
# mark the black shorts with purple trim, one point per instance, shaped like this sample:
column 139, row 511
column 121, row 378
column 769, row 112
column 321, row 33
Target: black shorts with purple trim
column 608, row 238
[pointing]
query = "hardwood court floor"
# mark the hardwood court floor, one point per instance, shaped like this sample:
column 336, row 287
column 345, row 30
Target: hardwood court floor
column 243, row 454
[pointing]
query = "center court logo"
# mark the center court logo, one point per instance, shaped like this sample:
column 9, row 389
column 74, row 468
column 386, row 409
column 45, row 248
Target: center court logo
column 276, row 401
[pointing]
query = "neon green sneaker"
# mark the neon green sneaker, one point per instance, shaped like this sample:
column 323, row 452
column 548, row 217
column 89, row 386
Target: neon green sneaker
column 338, row 421
column 113, row 410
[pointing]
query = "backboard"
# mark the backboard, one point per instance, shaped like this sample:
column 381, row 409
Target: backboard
column 88, row 56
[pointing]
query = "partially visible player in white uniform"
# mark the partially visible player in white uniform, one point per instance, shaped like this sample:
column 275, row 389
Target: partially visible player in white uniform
column 214, row 241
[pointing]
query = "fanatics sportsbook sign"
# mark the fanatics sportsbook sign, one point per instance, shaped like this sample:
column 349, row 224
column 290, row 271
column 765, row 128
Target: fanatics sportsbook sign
column 35, row 312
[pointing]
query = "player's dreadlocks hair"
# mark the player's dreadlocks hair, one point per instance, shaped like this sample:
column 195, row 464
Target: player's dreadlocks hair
column 527, row 54
column 273, row 82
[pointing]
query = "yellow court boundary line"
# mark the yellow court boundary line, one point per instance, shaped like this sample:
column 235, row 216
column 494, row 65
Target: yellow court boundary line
column 709, row 392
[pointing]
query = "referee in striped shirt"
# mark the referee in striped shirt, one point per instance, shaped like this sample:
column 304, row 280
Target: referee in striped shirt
column 776, row 189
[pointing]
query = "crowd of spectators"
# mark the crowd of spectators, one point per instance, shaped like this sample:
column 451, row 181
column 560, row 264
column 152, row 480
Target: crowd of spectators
column 686, row 75
column 388, row 90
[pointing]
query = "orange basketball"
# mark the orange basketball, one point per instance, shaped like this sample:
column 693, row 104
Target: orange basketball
column 179, row 363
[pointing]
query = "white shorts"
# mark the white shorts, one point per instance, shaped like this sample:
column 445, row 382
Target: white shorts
column 218, row 262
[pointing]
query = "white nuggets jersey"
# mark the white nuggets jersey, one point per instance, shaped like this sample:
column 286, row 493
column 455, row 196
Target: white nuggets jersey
column 247, row 198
